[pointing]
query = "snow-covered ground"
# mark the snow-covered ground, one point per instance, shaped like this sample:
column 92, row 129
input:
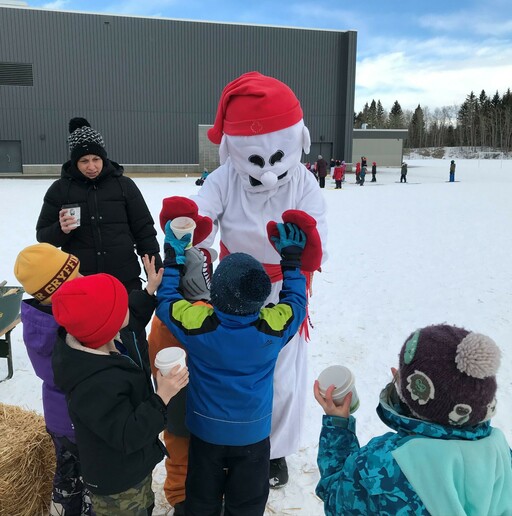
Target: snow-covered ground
column 402, row 256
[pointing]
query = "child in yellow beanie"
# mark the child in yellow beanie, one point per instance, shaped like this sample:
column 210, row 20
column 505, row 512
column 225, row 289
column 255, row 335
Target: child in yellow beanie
column 42, row 269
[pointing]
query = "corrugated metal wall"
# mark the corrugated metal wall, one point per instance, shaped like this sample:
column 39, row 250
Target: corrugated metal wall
column 146, row 84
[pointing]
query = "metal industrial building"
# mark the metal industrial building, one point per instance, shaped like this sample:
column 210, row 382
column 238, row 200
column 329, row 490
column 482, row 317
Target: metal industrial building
column 148, row 84
column 386, row 146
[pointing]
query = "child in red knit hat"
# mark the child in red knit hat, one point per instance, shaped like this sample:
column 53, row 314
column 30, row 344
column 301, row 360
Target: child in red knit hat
column 107, row 380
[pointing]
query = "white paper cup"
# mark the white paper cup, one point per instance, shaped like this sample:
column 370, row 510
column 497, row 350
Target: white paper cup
column 183, row 225
column 343, row 379
column 166, row 359
column 73, row 211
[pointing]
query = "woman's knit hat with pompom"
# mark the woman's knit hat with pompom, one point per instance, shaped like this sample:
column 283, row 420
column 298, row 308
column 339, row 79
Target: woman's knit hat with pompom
column 448, row 375
column 84, row 140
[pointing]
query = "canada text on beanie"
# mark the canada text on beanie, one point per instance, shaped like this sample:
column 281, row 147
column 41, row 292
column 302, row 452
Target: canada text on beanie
column 84, row 140
column 447, row 375
column 239, row 285
column 42, row 269
column 254, row 104
column 91, row 308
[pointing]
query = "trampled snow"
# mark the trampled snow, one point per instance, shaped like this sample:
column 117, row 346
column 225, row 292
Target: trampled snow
column 401, row 256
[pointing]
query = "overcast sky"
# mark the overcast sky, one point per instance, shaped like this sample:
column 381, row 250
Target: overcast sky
column 430, row 53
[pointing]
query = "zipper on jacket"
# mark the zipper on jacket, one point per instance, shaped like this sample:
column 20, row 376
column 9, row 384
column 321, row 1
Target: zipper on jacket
column 100, row 252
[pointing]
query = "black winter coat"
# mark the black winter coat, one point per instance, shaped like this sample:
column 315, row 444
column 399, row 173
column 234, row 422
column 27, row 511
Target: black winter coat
column 115, row 222
column 116, row 415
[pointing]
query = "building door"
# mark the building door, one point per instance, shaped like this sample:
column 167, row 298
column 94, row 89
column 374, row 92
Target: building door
column 323, row 148
column 10, row 156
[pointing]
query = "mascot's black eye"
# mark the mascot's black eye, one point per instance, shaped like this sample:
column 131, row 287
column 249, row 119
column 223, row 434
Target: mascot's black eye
column 277, row 156
column 257, row 160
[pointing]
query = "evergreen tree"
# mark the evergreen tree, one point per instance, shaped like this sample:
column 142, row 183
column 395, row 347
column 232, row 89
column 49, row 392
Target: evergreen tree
column 417, row 129
column 372, row 114
column 380, row 121
column 467, row 118
column 358, row 120
column 396, row 117
column 478, row 121
column 506, row 103
column 451, row 137
column 495, row 120
column 364, row 118
column 484, row 108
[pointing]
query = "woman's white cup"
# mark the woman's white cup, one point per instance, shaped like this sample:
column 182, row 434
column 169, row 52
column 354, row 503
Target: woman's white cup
column 166, row 359
column 343, row 379
column 183, row 225
column 74, row 211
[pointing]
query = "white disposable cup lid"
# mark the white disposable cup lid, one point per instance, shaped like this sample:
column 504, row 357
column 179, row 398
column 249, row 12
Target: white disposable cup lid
column 181, row 226
column 169, row 357
column 340, row 376
column 185, row 224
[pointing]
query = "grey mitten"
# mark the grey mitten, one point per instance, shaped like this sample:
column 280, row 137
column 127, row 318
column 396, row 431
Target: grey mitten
column 195, row 282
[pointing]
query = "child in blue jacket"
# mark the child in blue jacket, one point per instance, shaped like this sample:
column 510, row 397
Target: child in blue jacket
column 444, row 457
column 232, row 351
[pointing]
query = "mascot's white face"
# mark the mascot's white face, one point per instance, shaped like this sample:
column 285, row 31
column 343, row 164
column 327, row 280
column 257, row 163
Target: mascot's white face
column 265, row 161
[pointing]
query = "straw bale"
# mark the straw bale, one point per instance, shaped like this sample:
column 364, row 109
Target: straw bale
column 27, row 463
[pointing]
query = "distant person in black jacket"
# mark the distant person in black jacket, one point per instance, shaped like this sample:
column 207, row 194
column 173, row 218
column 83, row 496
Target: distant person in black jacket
column 111, row 219
column 116, row 414
column 403, row 173
column 374, row 172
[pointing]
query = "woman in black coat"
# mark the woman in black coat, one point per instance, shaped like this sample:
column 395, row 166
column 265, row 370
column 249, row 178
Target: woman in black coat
column 113, row 223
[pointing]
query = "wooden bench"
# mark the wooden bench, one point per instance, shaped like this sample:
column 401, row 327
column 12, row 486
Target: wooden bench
column 5, row 347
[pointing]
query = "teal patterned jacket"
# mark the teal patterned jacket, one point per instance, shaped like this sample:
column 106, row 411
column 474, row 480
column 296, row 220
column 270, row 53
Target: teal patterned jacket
column 368, row 481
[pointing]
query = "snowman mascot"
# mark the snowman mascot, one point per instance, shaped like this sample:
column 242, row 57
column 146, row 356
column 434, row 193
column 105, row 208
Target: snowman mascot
column 259, row 126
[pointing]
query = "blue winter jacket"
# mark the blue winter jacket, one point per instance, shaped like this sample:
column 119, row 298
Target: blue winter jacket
column 423, row 468
column 231, row 359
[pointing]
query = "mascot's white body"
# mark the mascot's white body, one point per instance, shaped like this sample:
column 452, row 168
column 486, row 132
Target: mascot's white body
column 241, row 208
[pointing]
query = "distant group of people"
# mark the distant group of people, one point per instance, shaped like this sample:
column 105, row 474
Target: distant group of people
column 319, row 169
column 362, row 170
column 338, row 171
column 404, row 166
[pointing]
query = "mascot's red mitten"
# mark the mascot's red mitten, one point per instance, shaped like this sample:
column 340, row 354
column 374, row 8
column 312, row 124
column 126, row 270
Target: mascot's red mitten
column 312, row 255
column 176, row 206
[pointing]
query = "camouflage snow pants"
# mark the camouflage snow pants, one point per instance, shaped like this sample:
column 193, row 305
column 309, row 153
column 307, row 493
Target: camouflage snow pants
column 139, row 500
